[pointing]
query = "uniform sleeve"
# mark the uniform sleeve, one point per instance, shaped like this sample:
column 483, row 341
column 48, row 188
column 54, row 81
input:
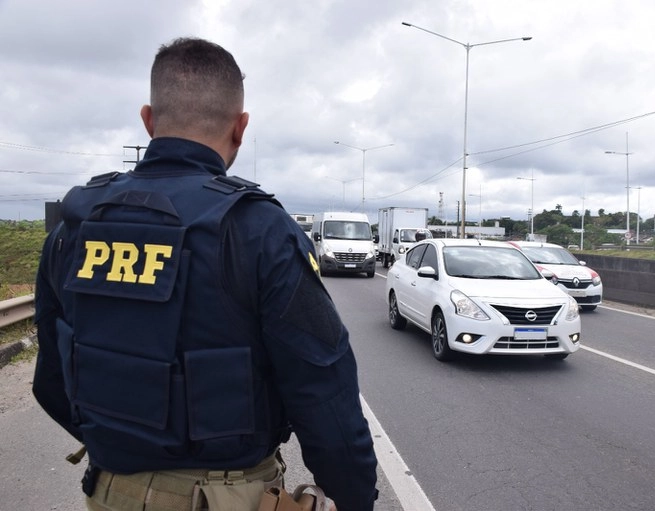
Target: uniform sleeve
column 314, row 366
column 48, row 385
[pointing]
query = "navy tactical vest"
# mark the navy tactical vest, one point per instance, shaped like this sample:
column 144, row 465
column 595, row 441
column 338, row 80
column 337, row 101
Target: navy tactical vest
column 164, row 368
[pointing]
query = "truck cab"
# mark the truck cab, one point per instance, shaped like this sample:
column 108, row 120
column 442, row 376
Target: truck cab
column 405, row 238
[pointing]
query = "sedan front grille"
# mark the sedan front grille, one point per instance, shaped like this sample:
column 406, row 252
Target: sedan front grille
column 581, row 284
column 349, row 257
column 520, row 315
column 509, row 343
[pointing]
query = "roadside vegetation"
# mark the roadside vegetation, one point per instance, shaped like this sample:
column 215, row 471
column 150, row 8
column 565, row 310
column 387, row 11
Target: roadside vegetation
column 20, row 247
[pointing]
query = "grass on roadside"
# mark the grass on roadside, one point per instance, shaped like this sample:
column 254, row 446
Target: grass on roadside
column 17, row 331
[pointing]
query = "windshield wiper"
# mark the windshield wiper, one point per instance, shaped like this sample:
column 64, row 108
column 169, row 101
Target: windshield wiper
column 497, row 277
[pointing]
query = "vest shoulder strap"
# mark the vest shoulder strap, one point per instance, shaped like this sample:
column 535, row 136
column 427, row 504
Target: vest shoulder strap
column 101, row 180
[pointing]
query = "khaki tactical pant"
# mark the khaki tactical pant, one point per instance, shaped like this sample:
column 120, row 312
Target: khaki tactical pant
column 186, row 490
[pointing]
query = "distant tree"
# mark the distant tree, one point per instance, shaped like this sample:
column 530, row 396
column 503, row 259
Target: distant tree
column 593, row 235
column 561, row 234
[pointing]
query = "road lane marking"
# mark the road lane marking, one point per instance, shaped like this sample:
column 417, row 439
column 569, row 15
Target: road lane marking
column 618, row 359
column 626, row 312
column 409, row 492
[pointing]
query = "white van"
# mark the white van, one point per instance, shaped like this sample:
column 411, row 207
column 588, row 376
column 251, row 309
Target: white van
column 343, row 243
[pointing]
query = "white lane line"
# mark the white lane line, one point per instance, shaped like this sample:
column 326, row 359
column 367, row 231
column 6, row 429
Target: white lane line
column 626, row 312
column 409, row 492
column 618, row 359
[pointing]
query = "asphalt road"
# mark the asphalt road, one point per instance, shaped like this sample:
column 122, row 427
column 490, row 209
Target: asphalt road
column 479, row 433
column 507, row 432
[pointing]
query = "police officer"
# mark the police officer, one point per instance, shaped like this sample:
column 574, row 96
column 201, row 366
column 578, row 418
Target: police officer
column 183, row 327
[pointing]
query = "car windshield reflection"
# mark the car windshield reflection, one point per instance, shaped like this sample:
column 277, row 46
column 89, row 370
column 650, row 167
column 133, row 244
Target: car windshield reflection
column 549, row 255
column 483, row 262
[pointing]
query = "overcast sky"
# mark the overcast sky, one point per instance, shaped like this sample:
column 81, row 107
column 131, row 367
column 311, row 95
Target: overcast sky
column 75, row 75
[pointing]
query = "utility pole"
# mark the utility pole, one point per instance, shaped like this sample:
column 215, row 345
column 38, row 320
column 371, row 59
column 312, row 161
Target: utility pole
column 457, row 232
column 138, row 153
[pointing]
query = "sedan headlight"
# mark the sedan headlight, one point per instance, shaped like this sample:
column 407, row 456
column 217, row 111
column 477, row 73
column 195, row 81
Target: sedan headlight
column 572, row 312
column 595, row 279
column 466, row 307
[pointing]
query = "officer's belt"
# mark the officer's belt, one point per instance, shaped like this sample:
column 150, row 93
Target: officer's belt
column 176, row 488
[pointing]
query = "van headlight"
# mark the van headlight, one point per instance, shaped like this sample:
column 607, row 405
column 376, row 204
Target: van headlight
column 401, row 249
column 573, row 310
column 328, row 250
column 466, row 307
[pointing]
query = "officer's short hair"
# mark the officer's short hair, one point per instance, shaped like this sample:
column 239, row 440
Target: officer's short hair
column 195, row 84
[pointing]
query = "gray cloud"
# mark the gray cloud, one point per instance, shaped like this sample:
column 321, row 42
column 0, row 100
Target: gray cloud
column 76, row 74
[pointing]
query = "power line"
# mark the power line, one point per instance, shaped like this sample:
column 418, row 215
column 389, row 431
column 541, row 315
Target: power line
column 6, row 171
column 553, row 141
column 574, row 134
column 12, row 145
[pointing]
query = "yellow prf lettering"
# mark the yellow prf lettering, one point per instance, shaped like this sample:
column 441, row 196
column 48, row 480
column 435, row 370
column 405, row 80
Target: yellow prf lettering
column 152, row 263
column 125, row 256
column 97, row 253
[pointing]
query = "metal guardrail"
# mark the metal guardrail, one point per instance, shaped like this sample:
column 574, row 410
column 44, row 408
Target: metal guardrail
column 16, row 309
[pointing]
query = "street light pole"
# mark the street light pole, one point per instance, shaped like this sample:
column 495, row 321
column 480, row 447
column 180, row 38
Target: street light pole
column 638, row 208
column 467, row 47
column 627, row 187
column 363, row 150
column 582, row 226
column 343, row 182
column 479, row 212
column 532, row 180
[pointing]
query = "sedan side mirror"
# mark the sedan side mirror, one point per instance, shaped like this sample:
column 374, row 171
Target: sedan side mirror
column 428, row 272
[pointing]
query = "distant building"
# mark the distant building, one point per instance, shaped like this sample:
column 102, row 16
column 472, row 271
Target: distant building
column 472, row 231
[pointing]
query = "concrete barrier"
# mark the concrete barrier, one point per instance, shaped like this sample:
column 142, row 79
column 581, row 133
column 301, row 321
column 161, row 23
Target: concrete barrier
column 630, row 281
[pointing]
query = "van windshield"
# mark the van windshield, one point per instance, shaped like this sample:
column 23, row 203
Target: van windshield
column 346, row 230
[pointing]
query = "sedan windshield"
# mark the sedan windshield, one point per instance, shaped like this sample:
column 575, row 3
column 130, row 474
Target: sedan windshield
column 549, row 255
column 346, row 230
column 486, row 262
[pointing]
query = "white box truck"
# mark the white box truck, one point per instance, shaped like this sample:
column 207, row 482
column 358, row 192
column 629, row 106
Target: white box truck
column 343, row 243
column 397, row 228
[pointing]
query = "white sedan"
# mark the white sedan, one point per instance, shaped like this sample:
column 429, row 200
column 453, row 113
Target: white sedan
column 569, row 274
column 481, row 297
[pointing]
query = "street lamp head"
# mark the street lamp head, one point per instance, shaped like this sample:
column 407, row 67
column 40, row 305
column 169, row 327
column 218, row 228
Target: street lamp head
column 336, row 141
column 527, row 38
column 406, row 24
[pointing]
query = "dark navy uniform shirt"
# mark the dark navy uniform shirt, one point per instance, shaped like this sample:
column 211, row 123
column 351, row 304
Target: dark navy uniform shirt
column 269, row 268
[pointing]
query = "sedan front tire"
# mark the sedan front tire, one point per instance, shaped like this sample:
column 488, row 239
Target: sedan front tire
column 439, row 336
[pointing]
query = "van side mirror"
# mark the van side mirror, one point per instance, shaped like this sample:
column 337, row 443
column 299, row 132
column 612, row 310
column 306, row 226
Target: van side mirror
column 316, row 237
column 395, row 240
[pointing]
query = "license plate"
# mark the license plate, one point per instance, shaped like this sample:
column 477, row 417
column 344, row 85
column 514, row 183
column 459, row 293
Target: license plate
column 576, row 292
column 530, row 334
column 350, row 265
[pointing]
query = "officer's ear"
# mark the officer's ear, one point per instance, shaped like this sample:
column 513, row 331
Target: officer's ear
column 239, row 128
column 146, row 116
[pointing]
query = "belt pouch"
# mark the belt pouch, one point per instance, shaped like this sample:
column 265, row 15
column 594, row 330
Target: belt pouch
column 227, row 497
column 277, row 499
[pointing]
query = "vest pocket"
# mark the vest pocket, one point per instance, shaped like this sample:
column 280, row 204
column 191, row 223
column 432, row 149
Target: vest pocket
column 106, row 382
column 219, row 392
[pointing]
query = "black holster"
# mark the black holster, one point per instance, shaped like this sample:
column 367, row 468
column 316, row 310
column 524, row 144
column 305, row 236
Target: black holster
column 89, row 480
